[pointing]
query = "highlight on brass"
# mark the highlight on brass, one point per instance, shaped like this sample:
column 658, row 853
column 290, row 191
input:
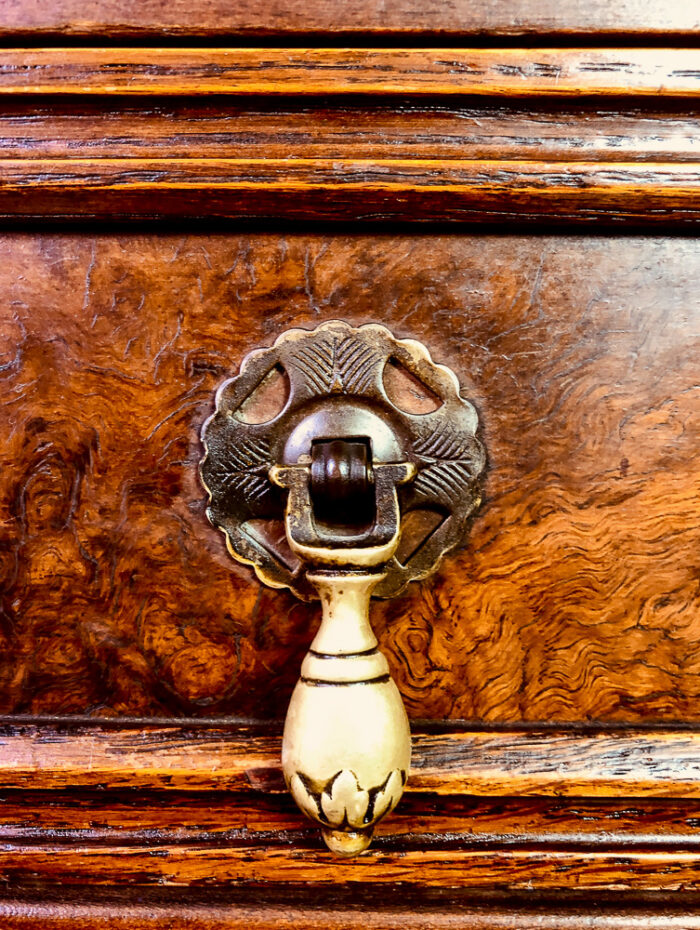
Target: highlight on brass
column 343, row 463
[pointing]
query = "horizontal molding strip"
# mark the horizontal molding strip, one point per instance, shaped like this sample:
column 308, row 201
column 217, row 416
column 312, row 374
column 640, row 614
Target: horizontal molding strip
column 513, row 870
column 313, row 129
column 141, row 818
column 629, row 763
column 341, row 189
column 191, row 72
column 176, row 133
column 108, row 19
column 130, row 912
column 533, row 812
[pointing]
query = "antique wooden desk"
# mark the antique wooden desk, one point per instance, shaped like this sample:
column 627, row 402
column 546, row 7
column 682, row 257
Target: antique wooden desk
column 517, row 185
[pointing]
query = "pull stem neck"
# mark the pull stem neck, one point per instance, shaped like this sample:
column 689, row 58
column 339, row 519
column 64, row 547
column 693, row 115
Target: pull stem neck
column 345, row 628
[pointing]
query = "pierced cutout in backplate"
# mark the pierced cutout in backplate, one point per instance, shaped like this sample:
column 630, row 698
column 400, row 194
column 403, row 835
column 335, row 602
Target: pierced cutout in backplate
column 268, row 399
column 406, row 391
column 271, row 535
column 417, row 526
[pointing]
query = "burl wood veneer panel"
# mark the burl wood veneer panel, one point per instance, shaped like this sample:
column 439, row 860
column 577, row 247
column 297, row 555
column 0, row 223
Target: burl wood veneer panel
column 577, row 597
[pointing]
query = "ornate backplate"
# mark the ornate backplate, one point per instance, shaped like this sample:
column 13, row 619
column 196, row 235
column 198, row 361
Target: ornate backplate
column 339, row 381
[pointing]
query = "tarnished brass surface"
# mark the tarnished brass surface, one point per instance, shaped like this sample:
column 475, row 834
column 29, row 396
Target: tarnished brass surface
column 341, row 381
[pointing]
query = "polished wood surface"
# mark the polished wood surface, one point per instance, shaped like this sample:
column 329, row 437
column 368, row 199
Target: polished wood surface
column 395, row 913
column 151, row 818
column 518, row 870
column 566, row 631
column 614, row 132
column 576, row 596
column 100, row 20
column 273, row 72
column 453, row 762
column 357, row 190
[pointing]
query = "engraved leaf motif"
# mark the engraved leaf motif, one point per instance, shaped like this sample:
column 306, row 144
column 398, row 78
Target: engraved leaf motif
column 343, row 798
column 452, row 461
column 343, row 802
column 306, row 801
column 338, row 363
column 388, row 795
column 244, row 467
column 355, row 362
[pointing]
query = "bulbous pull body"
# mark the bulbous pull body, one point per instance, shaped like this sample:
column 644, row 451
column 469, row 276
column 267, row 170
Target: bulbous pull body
column 347, row 746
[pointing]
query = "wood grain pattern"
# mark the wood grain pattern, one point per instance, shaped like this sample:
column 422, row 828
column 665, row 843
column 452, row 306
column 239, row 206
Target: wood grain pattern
column 155, row 819
column 185, row 831
column 350, row 134
column 109, row 19
column 627, row 763
column 516, row 870
column 492, row 130
column 129, row 912
column 193, row 72
column 577, row 597
column 390, row 189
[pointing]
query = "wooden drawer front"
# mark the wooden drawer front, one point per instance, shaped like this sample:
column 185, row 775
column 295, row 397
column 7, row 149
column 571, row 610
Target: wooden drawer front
column 577, row 594
column 164, row 211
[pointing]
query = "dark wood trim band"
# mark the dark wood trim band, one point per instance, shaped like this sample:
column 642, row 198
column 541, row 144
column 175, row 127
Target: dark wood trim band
column 350, row 189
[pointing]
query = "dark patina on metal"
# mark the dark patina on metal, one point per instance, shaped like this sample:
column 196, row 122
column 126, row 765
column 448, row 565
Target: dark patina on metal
column 346, row 401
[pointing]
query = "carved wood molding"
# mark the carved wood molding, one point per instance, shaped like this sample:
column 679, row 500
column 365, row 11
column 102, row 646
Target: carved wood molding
column 624, row 762
column 391, row 189
column 351, row 134
column 337, row 909
column 533, row 811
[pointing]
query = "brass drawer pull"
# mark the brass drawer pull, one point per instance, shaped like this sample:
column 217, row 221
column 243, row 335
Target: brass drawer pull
column 343, row 463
